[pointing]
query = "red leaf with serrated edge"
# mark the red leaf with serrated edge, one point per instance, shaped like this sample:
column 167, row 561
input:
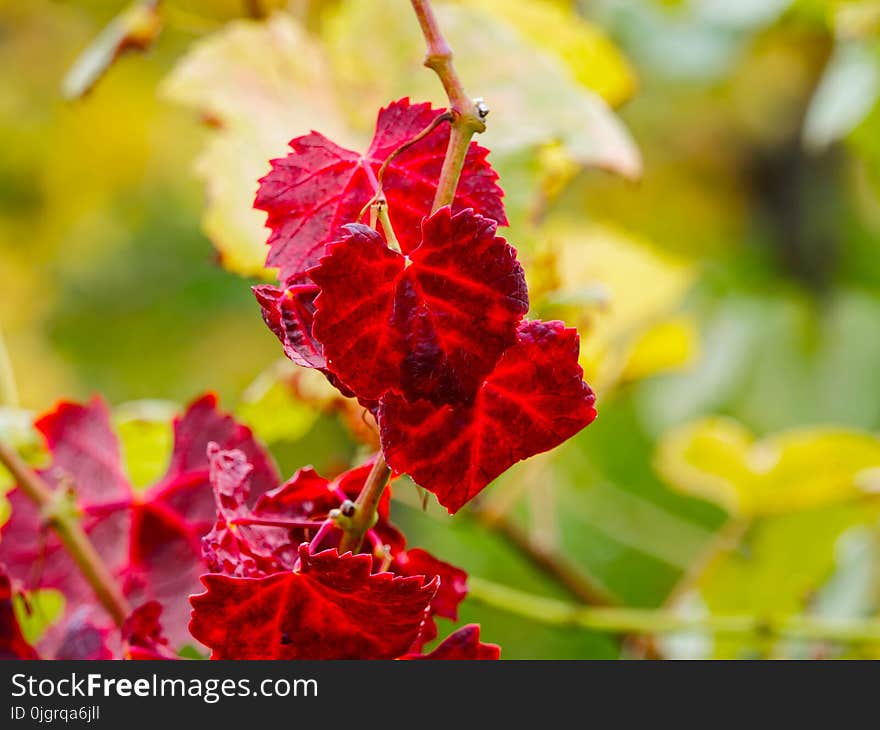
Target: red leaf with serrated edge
column 333, row 608
column 463, row 644
column 453, row 581
column 12, row 643
column 142, row 636
column 451, row 592
column 258, row 542
column 151, row 540
column 312, row 192
column 428, row 325
column 533, row 400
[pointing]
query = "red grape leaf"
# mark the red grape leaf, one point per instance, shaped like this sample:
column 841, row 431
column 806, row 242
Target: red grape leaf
column 150, row 541
column 239, row 548
column 462, row 644
column 142, row 636
column 533, row 401
column 232, row 549
column 245, row 550
column 453, row 581
column 450, row 593
column 428, row 325
column 289, row 314
column 333, row 608
column 12, row 643
column 312, row 192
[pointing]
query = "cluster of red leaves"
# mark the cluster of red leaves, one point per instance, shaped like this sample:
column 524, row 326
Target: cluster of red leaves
column 432, row 339
column 150, row 540
column 281, row 590
column 220, row 518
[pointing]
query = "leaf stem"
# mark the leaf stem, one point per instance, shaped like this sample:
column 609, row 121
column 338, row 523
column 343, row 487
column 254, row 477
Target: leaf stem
column 62, row 518
column 364, row 516
column 620, row 620
column 8, row 387
column 382, row 214
column 468, row 115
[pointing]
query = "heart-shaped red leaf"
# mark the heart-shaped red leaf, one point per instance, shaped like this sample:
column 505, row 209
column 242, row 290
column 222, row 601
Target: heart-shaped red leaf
column 428, row 325
column 320, row 187
column 149, row 541
column 333, row 608
column 533, row 400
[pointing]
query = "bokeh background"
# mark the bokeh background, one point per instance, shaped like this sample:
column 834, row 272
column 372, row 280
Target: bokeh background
column 694, row 183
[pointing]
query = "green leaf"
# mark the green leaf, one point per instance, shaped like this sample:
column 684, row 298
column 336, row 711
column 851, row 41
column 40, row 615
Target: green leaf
column 776, row 570
column 37, row 611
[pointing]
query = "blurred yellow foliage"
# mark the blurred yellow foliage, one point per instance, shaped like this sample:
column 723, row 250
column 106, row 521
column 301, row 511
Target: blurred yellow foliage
column 624, row 293
column 720, row 460
column 533, row 97
column 590, row 55
column 261, row 83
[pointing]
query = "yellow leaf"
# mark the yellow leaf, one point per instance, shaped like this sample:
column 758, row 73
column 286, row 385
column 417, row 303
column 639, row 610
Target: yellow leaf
column 146, row 437
column 42, row 608
column 533, row 97
column 618, row 288
column 589, row 54
column 720, row 460
column 668, row 346
column 273, row 410
column 261, row 84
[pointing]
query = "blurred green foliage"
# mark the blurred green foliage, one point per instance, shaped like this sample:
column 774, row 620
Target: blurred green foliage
column 729, row 301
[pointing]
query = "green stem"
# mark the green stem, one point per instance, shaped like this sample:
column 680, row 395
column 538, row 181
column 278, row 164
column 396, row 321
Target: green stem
column 554, row 612
column 61, row 516
column 364, row 516
column 578, row 584
column 468, row 115
column 453, row 164
column 385, row 220
column 8, row 388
